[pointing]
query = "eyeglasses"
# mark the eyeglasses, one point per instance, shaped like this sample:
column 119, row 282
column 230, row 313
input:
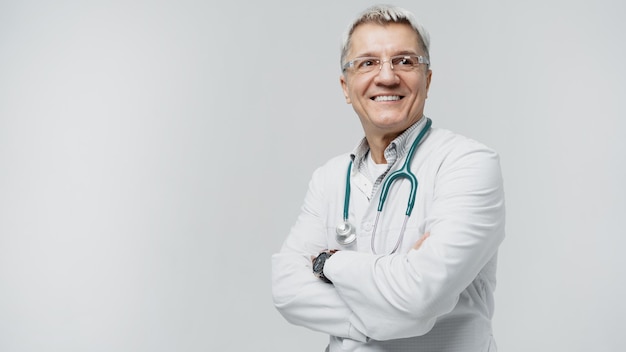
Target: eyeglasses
column 398, row 63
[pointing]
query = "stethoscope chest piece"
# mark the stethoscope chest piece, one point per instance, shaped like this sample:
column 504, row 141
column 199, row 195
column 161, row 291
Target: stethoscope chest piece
column 345, row 233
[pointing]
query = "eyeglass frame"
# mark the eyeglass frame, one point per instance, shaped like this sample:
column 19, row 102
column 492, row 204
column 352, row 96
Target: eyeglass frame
column 350, row 64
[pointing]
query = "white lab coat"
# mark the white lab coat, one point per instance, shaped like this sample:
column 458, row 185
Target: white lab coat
column 438, row 298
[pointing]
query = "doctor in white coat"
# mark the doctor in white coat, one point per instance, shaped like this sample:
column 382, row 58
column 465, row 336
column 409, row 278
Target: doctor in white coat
column 426, row 284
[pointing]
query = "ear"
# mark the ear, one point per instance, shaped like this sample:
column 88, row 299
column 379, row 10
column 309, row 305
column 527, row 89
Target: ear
column 429, row 76
column 344, row 87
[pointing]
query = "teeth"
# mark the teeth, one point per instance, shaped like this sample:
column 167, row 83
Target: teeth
column 387, row 98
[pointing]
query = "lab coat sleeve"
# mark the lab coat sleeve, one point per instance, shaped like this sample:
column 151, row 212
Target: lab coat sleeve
column 402, row 295
column 299, row 296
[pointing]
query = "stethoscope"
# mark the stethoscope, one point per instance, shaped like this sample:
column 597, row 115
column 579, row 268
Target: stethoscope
column 346, row 233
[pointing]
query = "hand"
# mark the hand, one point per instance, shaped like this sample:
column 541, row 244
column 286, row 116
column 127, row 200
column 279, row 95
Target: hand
column 419, row 242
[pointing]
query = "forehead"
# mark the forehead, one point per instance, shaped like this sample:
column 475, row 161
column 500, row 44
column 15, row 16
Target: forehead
column 378, row 39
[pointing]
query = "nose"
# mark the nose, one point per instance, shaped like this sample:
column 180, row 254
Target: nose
column 386, row 74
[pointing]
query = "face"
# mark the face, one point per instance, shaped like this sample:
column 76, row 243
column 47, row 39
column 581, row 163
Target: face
column 387, row 102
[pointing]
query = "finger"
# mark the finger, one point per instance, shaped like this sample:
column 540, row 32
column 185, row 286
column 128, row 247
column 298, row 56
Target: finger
column 419, row 242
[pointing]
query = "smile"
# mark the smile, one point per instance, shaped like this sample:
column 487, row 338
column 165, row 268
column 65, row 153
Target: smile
column 387, row 98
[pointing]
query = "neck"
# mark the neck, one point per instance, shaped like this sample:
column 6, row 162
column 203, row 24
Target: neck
column 378, row 140
column 377, row 147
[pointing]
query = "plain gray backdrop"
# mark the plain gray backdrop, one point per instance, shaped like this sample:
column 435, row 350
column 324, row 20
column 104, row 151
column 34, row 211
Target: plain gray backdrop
column 154, row 154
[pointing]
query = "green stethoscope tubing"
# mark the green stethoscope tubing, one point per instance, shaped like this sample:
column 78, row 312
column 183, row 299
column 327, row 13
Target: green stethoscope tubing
column 345, row 231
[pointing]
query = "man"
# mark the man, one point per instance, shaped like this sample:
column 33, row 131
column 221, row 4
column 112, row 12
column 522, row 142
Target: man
column 395, row 280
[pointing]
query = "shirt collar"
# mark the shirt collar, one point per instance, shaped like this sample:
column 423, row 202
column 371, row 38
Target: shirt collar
column 394, row 151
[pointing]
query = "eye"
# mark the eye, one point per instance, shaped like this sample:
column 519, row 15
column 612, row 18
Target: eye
column 366, row 63
column 408, row 61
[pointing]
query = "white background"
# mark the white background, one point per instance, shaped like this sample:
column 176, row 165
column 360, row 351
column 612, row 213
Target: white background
column 154, row 154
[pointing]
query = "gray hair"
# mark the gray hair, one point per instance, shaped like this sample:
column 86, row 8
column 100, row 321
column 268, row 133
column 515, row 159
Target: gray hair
column 385, row 14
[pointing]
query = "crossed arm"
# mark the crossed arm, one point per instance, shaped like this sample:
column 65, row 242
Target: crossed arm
column 401, row 295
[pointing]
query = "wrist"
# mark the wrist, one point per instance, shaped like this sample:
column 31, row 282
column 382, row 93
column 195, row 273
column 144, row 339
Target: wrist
column 319, row 262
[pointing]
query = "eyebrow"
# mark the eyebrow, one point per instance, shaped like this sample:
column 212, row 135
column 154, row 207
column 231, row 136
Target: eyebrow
column 401, row 52
column 406, row 52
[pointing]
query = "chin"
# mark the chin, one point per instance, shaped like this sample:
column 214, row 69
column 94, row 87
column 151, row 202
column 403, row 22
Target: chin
column 393, row 123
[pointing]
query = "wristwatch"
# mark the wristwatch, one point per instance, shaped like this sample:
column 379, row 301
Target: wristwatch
column 318, row 265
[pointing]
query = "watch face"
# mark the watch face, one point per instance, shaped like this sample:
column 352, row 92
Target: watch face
column 318, row 264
